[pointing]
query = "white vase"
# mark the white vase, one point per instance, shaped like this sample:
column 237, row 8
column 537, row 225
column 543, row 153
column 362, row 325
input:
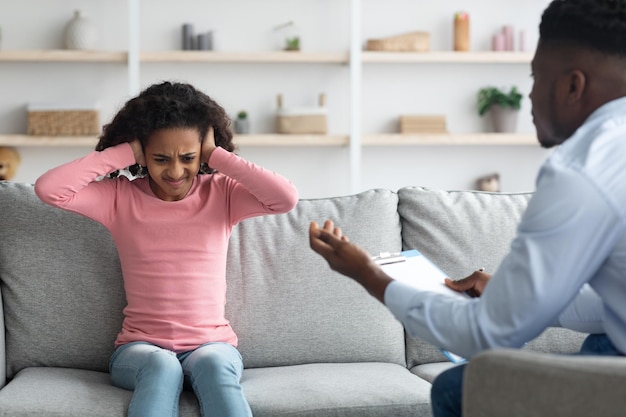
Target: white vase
column 80, row 33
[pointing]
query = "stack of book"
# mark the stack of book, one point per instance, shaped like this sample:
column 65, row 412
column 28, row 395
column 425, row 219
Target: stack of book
column 423, row 124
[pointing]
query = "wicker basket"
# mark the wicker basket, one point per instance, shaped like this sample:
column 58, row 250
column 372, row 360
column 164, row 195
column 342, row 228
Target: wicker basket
column 407, row 42
column 63, row 122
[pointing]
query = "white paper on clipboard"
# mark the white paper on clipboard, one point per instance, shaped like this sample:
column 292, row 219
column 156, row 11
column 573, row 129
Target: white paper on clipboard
column 418, row 271
column 414, row 269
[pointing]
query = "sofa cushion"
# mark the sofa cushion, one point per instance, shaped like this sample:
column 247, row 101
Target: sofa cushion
column 72, row 393
column 430, row 371
column 63, row 305
column 3, row 356
column 285, row 303
column 61, row 285
column 556, row 340
column 365, row 389
column 462, row 231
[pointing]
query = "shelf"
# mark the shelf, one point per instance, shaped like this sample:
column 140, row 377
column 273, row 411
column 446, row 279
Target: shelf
column 485, row 139
column 47, row 141
column 62, row 55
column 447, row 57
column 239, row 140
column 342, row 58
column 278, row 140
column 246, row 57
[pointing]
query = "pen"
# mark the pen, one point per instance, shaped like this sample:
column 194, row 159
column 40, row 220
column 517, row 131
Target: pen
column 385, row 258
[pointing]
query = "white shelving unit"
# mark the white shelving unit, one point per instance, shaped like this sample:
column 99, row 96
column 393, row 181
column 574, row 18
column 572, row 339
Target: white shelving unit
column 356, row 59
column 280, row 57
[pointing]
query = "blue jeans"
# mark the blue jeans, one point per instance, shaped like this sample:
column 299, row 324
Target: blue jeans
column 447, row 388
column 156, row 376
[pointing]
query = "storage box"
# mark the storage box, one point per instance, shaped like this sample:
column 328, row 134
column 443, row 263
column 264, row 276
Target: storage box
column 423, row 124
column 301, row 120
column 57, row 120
column 407, row 42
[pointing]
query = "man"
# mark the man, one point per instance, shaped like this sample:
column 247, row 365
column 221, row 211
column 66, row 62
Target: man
column 572, row 236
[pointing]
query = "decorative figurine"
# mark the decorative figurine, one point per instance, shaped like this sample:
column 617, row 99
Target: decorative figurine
column 9, row 161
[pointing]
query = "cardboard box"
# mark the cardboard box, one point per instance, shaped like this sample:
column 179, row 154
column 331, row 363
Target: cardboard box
column 407, row 42
column 302, row 120
column 423, row 124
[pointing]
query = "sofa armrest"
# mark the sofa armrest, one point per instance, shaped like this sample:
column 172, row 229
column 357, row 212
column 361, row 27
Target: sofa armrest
column 514, row 383
column 3, row 357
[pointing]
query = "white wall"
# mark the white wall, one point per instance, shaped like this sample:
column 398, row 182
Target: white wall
column 324, row 25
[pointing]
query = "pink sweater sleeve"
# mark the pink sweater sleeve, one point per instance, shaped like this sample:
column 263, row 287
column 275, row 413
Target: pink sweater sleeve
column 255, row 190
column 73, row 186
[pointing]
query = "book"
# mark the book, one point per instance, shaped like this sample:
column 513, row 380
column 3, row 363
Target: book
column 413, row 268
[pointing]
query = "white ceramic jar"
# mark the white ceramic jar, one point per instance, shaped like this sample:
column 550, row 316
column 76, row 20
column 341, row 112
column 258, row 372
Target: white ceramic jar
column 80, row 33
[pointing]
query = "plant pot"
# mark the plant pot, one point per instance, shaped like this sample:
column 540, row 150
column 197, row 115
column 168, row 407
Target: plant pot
column 242, row 126
column 503, row 119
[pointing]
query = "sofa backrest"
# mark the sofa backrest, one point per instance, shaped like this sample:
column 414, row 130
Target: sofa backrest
column 3, row 356
column 286, row 304
column 63, row 294
column 61, row 285
column 462, row 231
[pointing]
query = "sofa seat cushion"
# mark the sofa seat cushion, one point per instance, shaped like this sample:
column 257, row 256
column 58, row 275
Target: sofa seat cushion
column 320, row 390
column 345, row 389
column 430, row 371
column 61, row 392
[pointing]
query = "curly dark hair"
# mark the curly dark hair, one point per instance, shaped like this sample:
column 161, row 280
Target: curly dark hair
column 598, row 25
column 165, row 106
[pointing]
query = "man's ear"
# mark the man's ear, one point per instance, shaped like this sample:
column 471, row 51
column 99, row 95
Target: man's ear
column 576, row 83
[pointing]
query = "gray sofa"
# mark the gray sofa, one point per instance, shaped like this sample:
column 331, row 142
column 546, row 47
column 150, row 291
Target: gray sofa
column 314, row 343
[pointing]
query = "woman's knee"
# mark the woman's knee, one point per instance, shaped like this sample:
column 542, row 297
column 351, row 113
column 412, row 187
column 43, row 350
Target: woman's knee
column 162, row 364
column 145, row 362
column 217, row 360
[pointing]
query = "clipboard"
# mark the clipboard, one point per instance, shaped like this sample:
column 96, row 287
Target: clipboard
column 413, row 268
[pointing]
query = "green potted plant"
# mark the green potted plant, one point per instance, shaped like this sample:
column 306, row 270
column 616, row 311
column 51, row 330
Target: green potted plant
column 503, row 107
column 242, row 124
column 289, row 36
column 292, row 44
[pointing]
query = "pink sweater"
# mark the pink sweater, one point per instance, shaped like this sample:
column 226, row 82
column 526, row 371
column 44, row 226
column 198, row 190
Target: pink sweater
column 172, row 253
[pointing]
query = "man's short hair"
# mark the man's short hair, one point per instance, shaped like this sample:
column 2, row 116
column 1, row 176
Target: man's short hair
column 598, row 25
